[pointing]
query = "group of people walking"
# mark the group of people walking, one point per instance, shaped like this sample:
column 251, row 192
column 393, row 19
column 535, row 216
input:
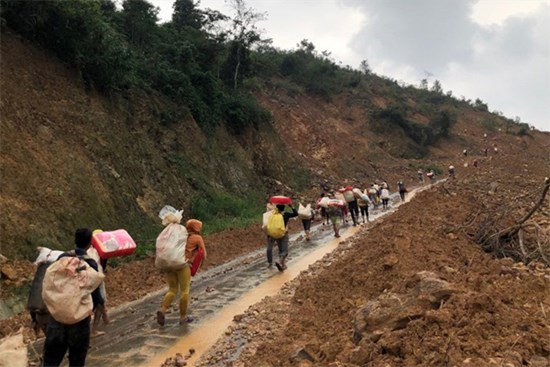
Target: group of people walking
column 64, row 337
column 333, row 207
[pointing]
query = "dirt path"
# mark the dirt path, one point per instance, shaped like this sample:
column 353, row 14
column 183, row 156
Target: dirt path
column 218, row 296
column 133, row 336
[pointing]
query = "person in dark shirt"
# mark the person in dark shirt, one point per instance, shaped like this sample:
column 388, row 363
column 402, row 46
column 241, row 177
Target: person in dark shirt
column 402, row 189
column 76, row 337
column 282, row 243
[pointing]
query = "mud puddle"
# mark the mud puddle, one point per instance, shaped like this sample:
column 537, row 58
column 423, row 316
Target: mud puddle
column 134, row 338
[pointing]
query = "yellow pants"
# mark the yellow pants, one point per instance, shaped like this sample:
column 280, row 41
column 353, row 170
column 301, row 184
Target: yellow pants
column 178, row 279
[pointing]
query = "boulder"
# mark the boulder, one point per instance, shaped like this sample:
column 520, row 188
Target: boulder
column 392, row 311
column 7, row 272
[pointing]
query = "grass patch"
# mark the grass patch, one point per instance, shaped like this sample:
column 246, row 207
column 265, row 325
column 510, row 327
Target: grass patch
column 221, row 211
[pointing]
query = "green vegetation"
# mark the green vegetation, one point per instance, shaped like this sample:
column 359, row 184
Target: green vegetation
column 490, row 123
column 242, row 112
column 422, row 135
column 222, row 211
column 300, row 179
column 523, row 130
column 208, row 66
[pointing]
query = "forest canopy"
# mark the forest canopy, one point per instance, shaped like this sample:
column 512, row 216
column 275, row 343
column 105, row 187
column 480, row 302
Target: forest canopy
column 207, row 62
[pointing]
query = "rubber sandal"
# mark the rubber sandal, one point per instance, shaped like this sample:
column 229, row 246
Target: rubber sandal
column 187, row 320
column 160, row 318
column 279, row 267
column 97, row 333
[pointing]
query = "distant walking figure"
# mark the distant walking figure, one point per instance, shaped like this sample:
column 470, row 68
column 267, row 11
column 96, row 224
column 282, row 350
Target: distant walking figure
column 402, row 190
column 385, row 196
column 420, row 177
column 364, row 206
column 431, row 175
column 452, row 171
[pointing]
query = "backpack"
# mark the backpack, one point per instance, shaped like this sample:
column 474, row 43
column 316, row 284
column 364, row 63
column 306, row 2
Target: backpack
column 276, row 225
column 170, row 248
column 349, row 196
column 67, row 289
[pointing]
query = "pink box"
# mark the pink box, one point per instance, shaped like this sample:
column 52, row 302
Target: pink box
column 113, row 244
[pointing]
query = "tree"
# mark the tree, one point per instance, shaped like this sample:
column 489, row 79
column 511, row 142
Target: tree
column 139, row 21
column 245, row 35
column 441, row 124
column 364, row 67
column 480, row 105
column 424, row 84
column 436, row 87
column 306, row 46
column 186, row 14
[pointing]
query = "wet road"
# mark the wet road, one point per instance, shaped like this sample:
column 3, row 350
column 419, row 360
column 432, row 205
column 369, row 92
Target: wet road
column 134, row 338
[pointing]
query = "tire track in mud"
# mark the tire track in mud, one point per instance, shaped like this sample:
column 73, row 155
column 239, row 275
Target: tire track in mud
column 134, row 338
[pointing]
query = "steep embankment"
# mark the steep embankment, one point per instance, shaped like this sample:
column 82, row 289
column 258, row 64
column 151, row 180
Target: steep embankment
column 73, row 158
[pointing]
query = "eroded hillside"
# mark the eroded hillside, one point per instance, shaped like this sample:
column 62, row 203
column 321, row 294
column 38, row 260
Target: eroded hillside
column 71, row 157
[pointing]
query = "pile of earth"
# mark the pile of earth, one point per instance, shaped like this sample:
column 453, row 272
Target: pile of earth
column 367, row 304
column 415, row 289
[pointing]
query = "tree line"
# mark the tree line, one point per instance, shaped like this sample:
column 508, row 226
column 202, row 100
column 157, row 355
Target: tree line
column 208, row 63
column 201, row 58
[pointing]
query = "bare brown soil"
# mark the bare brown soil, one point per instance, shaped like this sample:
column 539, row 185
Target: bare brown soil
column 496, row 313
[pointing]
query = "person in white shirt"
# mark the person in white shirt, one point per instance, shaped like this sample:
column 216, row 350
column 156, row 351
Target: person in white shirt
column 385, row 196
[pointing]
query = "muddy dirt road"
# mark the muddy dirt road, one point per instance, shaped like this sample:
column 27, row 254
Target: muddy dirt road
column 217, row 295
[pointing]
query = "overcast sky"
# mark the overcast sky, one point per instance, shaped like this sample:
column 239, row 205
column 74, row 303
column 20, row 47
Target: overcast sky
column 495, row 50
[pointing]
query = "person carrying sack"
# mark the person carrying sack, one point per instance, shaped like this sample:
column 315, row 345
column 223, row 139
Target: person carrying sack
column 71, row 293
column 176, row 249
column 278, row 234
column 306, row 214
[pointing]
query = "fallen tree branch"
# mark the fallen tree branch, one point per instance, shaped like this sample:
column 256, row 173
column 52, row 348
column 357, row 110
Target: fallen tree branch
column 533, row 209
column 509, row 232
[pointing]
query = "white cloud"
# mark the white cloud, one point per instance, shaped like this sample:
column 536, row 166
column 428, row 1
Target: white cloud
column 496, row 50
